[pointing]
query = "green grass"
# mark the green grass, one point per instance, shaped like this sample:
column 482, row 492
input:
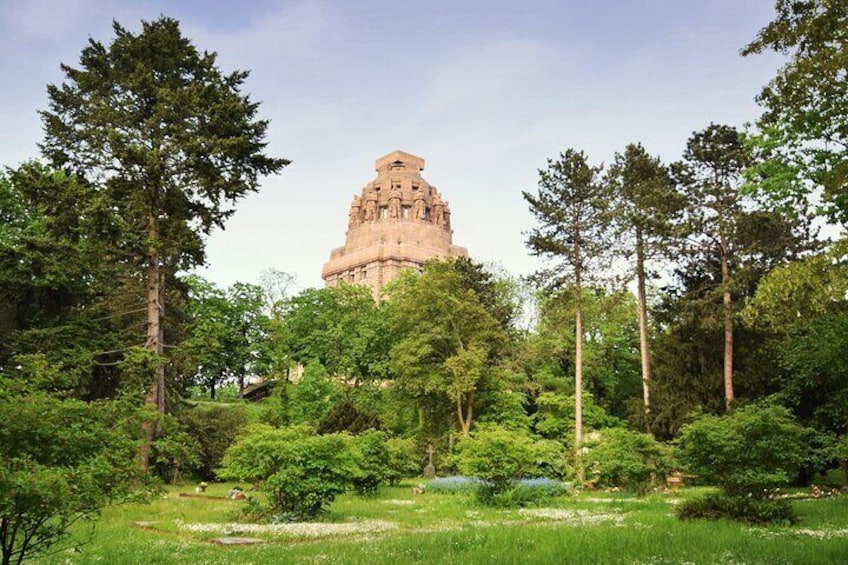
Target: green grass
column 436, row 528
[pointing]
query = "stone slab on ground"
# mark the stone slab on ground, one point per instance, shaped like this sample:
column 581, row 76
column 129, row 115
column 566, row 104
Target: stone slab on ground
column 237, row 541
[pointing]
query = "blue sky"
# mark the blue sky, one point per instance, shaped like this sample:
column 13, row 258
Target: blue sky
column 484, row 91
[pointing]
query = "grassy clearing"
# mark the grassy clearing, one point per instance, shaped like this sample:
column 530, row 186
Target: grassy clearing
column 397, row 527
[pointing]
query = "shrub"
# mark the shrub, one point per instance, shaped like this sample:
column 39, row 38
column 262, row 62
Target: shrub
column 404, row 460
column 500, row 457
column 61, row 460
column 300, row 472
column 215, row 428
column 174, row 451
column 496, row 456
column 529, row 492
column 752, row 510
column 746, row 453
column 627, row 459
column 372, row 458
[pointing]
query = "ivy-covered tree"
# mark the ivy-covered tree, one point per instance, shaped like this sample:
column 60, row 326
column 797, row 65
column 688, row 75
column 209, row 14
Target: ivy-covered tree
column 171, row 141
column 574, row 231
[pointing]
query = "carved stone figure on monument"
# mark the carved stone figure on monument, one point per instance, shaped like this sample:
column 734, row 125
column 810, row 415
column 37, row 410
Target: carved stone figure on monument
column 394, row 203
column 370, row 205
column 438, row 210
column 355, row 209
column 419, row 208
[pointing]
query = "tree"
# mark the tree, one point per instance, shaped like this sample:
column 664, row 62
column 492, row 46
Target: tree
column 447, row 341
column 646, row 204
column 803, row 307
column 229, row 332
column 170, row 141
column 61, row 460
column 710, row 176
column 803, row 132
column 340, row 327
column 571, row 208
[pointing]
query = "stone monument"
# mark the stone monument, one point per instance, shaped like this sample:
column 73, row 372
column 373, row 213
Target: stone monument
column 398, row 221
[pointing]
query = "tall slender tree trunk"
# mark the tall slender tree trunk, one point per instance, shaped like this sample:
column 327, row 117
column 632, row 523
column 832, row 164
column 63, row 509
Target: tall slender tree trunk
column 578, row 364
column 728, row 325
column 155, row 392
column 644, row 350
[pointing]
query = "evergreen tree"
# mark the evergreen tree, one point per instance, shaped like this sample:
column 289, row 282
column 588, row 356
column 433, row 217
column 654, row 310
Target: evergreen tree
column 572, row 210
column 169, row 139
column 646, row 206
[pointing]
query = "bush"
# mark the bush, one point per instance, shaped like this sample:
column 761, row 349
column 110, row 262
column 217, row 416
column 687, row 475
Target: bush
column 174, row 451
column 404, row 460
column 747, row 453
column 525, row 492
column 752, row 510
column 215, row 428
column 500, row 457
column 61, row 460
column 627, row 459
column 496, row 456
column 300, row 472
column 372, row 458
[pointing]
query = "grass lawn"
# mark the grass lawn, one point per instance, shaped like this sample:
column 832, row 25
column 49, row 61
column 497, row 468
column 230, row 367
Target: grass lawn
column 398, row 528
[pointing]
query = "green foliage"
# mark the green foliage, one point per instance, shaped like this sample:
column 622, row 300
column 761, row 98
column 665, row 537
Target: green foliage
column 752, row 510
column 228, row 332
column 313, row 396
column 803, row 129
column 345, row 415
column 61, row 461
column 372, row 456
column 174, row 450
column 404, row 459
column 213, row 428
column 499, row 457
column 340, row 327
column 630, row 460
column 178, row 138
column 447, row 341
column 748, row 452
column 301, row 473
column 554, row 418
column 611, row 370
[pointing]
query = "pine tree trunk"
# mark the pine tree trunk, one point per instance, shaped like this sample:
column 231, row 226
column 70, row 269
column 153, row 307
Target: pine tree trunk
column 643, row 328
column 728, row 326
column 578, row 365
column 155, row 394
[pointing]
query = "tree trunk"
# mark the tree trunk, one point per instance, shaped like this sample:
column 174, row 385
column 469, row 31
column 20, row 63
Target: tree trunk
column 728, row 326
column 578, row 365
column 155, row 393
column 644, row 350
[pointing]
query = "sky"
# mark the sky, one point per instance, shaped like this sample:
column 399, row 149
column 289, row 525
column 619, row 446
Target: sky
column 484, row 91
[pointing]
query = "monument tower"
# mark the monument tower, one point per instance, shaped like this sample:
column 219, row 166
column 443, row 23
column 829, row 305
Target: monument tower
column 399, row 220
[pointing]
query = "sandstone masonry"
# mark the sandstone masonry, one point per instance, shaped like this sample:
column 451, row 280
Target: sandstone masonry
column 398, row 221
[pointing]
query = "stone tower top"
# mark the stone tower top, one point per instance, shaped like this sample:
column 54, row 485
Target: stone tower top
column 397, row 221
column 399, row 161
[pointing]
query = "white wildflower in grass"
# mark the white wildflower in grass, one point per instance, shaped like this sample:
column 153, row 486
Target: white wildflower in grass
column 399, row 502
column 572, row 517
column 293, row 530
